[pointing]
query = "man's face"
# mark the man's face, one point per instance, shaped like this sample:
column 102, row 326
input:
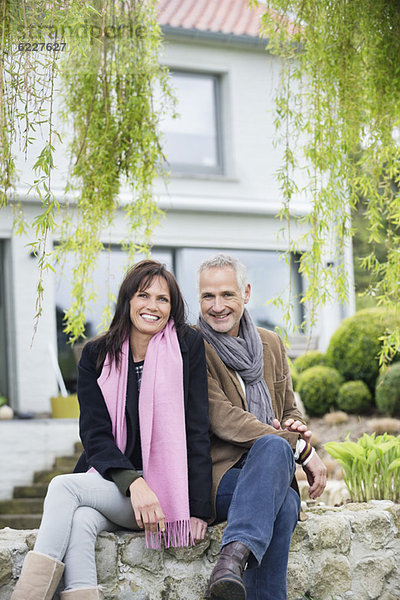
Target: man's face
column 221, row 300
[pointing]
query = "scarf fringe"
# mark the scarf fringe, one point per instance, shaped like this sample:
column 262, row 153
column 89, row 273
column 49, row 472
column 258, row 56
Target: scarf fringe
column 177, row 534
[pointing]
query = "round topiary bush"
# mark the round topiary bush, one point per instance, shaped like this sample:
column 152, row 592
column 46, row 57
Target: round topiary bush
column 354, row 347
column 354, row 397
column 319, row 388
column 310, row 359
column 387, row 394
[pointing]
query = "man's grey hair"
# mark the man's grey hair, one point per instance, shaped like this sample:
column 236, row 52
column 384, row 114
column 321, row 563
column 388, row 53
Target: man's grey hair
column 222, row 261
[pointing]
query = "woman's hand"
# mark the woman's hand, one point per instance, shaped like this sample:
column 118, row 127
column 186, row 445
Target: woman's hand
column 199, row 528
column 147, row 509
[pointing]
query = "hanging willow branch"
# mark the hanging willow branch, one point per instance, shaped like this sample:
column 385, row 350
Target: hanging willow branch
column 341, row 98
column 105, row 57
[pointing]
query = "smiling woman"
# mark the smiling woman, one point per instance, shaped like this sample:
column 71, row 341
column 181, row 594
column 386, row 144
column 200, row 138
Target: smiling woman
column 142, row 389
column 150, row 309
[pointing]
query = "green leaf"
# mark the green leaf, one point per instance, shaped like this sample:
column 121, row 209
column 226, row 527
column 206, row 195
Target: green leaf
column 394, row 465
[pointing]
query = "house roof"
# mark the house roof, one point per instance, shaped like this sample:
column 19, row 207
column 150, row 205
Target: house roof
column 226, row 17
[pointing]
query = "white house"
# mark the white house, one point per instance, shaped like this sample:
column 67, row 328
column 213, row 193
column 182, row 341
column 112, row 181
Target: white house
column 222, row 195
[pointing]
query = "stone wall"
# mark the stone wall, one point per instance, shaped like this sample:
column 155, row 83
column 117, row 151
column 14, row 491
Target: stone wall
column 346, row 553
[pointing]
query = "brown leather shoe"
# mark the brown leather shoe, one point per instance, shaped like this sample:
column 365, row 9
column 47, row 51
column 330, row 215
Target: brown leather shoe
column 226, row 581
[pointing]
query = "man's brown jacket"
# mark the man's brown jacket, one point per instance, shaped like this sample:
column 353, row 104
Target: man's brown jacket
column 233, row 429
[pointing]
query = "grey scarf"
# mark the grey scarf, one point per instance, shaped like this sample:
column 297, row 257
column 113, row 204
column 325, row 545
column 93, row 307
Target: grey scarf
column 244, row 354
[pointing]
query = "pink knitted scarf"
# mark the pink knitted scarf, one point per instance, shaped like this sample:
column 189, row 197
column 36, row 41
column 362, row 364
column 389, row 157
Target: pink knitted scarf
column 162, row 428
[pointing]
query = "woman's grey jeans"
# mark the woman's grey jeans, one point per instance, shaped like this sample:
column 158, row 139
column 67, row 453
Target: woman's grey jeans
column 77, row 507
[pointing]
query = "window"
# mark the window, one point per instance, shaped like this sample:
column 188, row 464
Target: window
column 192, row 141
column 268, row 275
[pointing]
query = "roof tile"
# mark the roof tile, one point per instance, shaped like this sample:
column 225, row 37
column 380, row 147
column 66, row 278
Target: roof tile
column 220, row 16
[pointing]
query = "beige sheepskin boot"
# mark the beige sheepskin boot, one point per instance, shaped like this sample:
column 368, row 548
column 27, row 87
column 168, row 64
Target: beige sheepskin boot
column 39, row 578
column 82, row 594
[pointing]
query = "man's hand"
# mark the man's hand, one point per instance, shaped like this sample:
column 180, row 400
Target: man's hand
column 292, row 425
column 316, row 476
column 315, row 468
column 199, row 528
column 145, row 504
column 277, row 425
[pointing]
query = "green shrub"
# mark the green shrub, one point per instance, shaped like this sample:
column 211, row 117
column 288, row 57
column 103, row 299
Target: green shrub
column 319, row 388
column 387, row 392
column 354, row 347
column 310, row 359
column 354, row 397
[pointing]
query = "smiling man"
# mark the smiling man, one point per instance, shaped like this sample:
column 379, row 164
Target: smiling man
column 257, row 433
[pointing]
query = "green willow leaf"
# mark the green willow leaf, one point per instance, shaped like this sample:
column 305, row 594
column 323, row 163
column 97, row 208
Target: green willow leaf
column 109, row 87
column 338, row 118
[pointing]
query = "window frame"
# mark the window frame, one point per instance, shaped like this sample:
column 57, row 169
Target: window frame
column 178, row 168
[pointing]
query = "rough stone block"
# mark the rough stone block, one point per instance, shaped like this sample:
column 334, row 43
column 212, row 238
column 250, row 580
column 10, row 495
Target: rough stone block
column 298, row 576
column 374, row 528
column 300, row 537
column 14, row 538
column 14, row 542
column 190, row 588
column 189, row 554
column 129, row 592
column 31, row 539
column 5, row 566
column 394, row 510
column 106, row 557
column 369, row 576
column 333, row 576
column 135, row 554
column 330, row 531
column 215, row 533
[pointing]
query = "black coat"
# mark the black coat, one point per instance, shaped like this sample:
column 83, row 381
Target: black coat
column 100, row 450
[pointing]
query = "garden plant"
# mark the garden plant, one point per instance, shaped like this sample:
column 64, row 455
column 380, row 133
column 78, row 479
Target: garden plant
column 355, row 346
column 319, row 388
column 309, row 359
column 370, row 467
column 388, row 391
column 354, row 397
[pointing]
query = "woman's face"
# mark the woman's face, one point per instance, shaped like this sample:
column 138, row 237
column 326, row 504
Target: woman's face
column 150, row 309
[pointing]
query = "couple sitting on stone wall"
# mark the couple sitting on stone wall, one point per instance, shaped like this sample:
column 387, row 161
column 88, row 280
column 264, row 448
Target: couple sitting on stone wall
column 181, row 427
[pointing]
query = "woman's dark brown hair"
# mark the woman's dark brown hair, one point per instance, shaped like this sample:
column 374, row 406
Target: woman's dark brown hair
column 139, row 277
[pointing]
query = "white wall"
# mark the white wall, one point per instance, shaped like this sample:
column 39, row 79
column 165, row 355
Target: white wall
column 32, row 445
column 250, row 78
column 32, row 378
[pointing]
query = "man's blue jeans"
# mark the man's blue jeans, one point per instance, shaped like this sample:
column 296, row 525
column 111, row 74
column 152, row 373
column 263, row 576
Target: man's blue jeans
column 261, row 509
